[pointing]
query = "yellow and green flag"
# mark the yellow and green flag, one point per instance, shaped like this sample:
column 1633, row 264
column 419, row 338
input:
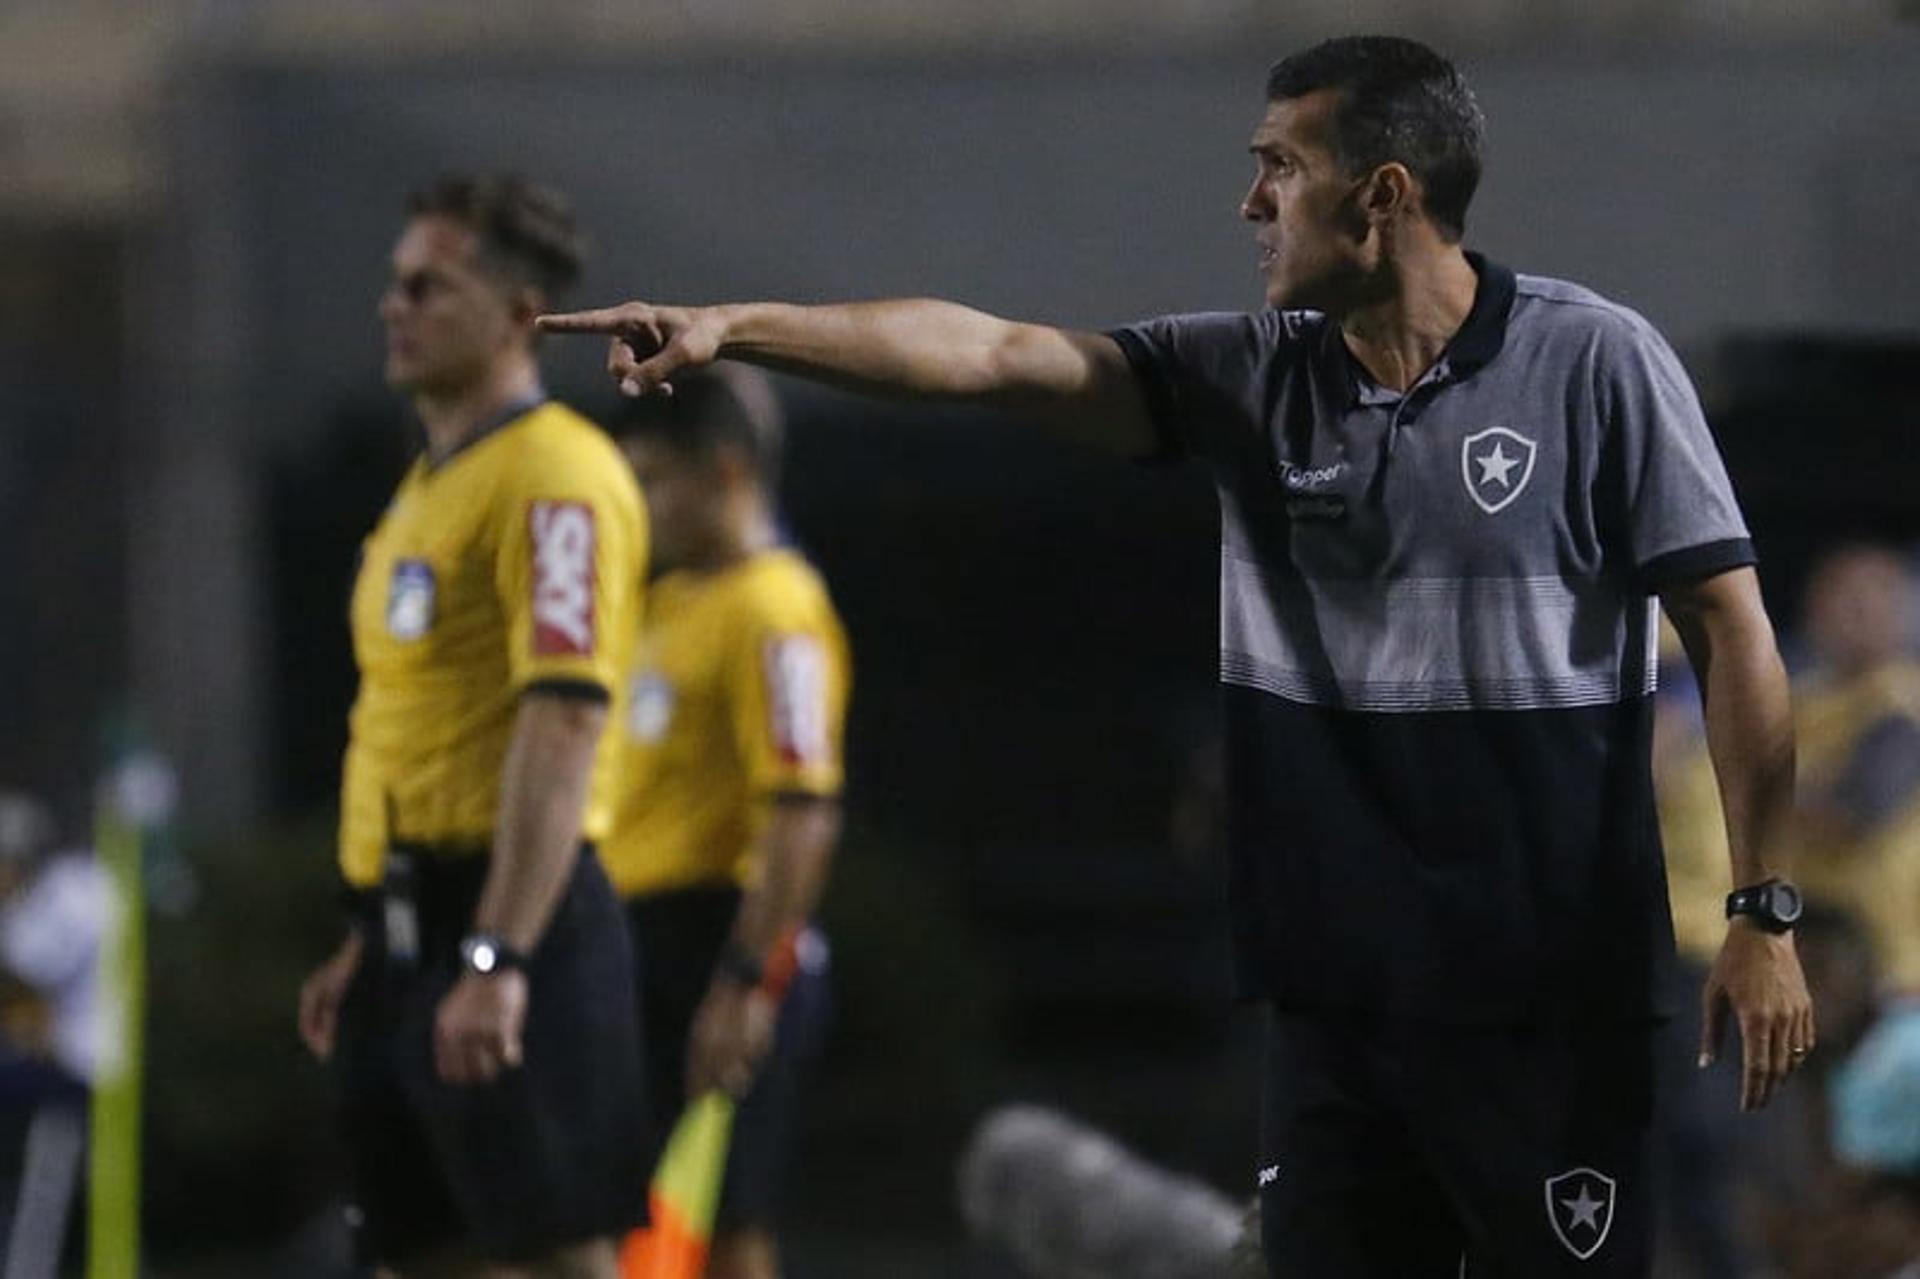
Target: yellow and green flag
column 684, row 1196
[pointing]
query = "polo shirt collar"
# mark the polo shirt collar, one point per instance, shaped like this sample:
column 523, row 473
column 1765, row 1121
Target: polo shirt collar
column 1479, row 339
column 505, row 417
column 1484, row 331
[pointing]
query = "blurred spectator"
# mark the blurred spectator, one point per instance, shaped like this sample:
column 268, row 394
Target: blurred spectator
column 1857, row 825
column 1863, row 1222
column 1876, row 1100
column 56, row 908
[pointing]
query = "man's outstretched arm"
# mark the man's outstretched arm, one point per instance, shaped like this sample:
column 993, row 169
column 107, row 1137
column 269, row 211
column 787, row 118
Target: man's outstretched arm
column 1076, row 384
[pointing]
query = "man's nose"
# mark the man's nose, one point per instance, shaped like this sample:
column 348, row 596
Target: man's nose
column 1254, row 205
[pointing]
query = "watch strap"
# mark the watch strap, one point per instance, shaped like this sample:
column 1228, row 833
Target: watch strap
column 740, row 965
column 1756, row 902
column 487, row 953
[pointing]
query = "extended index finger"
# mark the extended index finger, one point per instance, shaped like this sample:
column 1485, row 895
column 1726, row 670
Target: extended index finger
column 606, row 319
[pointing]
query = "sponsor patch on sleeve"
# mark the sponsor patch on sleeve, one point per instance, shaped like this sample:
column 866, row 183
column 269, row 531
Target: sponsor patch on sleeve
column 563, row 577
column 797, row 698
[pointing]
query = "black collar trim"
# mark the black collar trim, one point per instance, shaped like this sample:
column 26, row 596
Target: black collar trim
column 1484, row 331
column 1479, row 339
column 504, row 418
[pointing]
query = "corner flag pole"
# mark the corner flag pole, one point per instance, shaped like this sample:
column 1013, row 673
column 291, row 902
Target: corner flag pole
column 113, row 1206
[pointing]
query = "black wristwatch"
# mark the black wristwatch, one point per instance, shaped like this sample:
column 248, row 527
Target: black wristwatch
column 740, row 965
column 1774, row 904
column 486, row 954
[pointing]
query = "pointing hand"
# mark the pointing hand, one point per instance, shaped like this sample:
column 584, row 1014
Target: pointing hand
column 649, row 344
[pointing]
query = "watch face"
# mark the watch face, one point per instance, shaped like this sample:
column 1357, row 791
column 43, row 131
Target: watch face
column 1784, row 903
column 482, row 957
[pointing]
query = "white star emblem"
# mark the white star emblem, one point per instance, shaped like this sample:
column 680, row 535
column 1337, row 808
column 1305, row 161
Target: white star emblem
column 1495, row 465
column 1489, row 461
column 1585, row 1208
column 1588, row 1215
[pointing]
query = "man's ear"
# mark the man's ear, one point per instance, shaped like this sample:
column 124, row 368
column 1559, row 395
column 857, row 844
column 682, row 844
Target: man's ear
column 526, row 302
column 1389, row 191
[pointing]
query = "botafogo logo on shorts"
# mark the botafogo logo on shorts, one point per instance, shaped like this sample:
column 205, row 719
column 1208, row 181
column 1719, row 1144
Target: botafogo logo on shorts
column 1580, row 1209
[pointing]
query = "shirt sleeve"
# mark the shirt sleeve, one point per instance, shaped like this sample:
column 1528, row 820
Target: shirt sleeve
column 1200, row 374
column 569, row 560
column 787, row 687
column 1682, row 521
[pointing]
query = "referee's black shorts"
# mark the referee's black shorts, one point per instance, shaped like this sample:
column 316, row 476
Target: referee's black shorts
column 551, row 1153
column 1414, row 1150
column 677, row 938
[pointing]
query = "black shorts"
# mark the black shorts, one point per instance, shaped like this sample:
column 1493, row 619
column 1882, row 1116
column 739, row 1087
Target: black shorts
column 677, row 939
column 550, row 1154
column 1405, row 1150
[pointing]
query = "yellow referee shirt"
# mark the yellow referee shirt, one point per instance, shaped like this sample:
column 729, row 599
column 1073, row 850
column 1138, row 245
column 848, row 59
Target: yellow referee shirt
column 738, row 695
column 515, row 562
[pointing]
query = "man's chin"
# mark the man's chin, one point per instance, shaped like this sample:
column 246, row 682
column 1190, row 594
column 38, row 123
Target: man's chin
column 1296, row 296
column 1287, row 295
column 410, row 379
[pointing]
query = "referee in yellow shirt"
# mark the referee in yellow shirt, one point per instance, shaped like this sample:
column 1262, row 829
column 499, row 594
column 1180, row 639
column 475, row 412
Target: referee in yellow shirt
column 730, row 778
column 486, row 1085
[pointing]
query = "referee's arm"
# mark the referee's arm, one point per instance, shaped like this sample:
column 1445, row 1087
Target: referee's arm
column 1076, row 384
column 543, row 792
column 730, row 1035
column 1743, row 685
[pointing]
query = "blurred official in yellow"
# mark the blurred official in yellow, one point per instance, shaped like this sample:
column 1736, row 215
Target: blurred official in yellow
column 730, row 776
column 1857, row 716
column 485, row 1087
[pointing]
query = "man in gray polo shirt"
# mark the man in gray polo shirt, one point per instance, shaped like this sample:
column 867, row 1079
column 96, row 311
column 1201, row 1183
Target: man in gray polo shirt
column 1448, row 497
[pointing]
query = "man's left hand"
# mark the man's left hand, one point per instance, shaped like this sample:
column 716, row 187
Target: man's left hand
column 476, row 1033
column 731, row 1034
column 1757, row 977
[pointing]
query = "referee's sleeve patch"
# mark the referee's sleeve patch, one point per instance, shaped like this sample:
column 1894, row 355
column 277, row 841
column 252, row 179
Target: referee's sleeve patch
column 796, row 675
column 563, row 576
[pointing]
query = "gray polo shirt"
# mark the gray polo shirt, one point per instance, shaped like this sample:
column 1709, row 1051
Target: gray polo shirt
column 1437, row 646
